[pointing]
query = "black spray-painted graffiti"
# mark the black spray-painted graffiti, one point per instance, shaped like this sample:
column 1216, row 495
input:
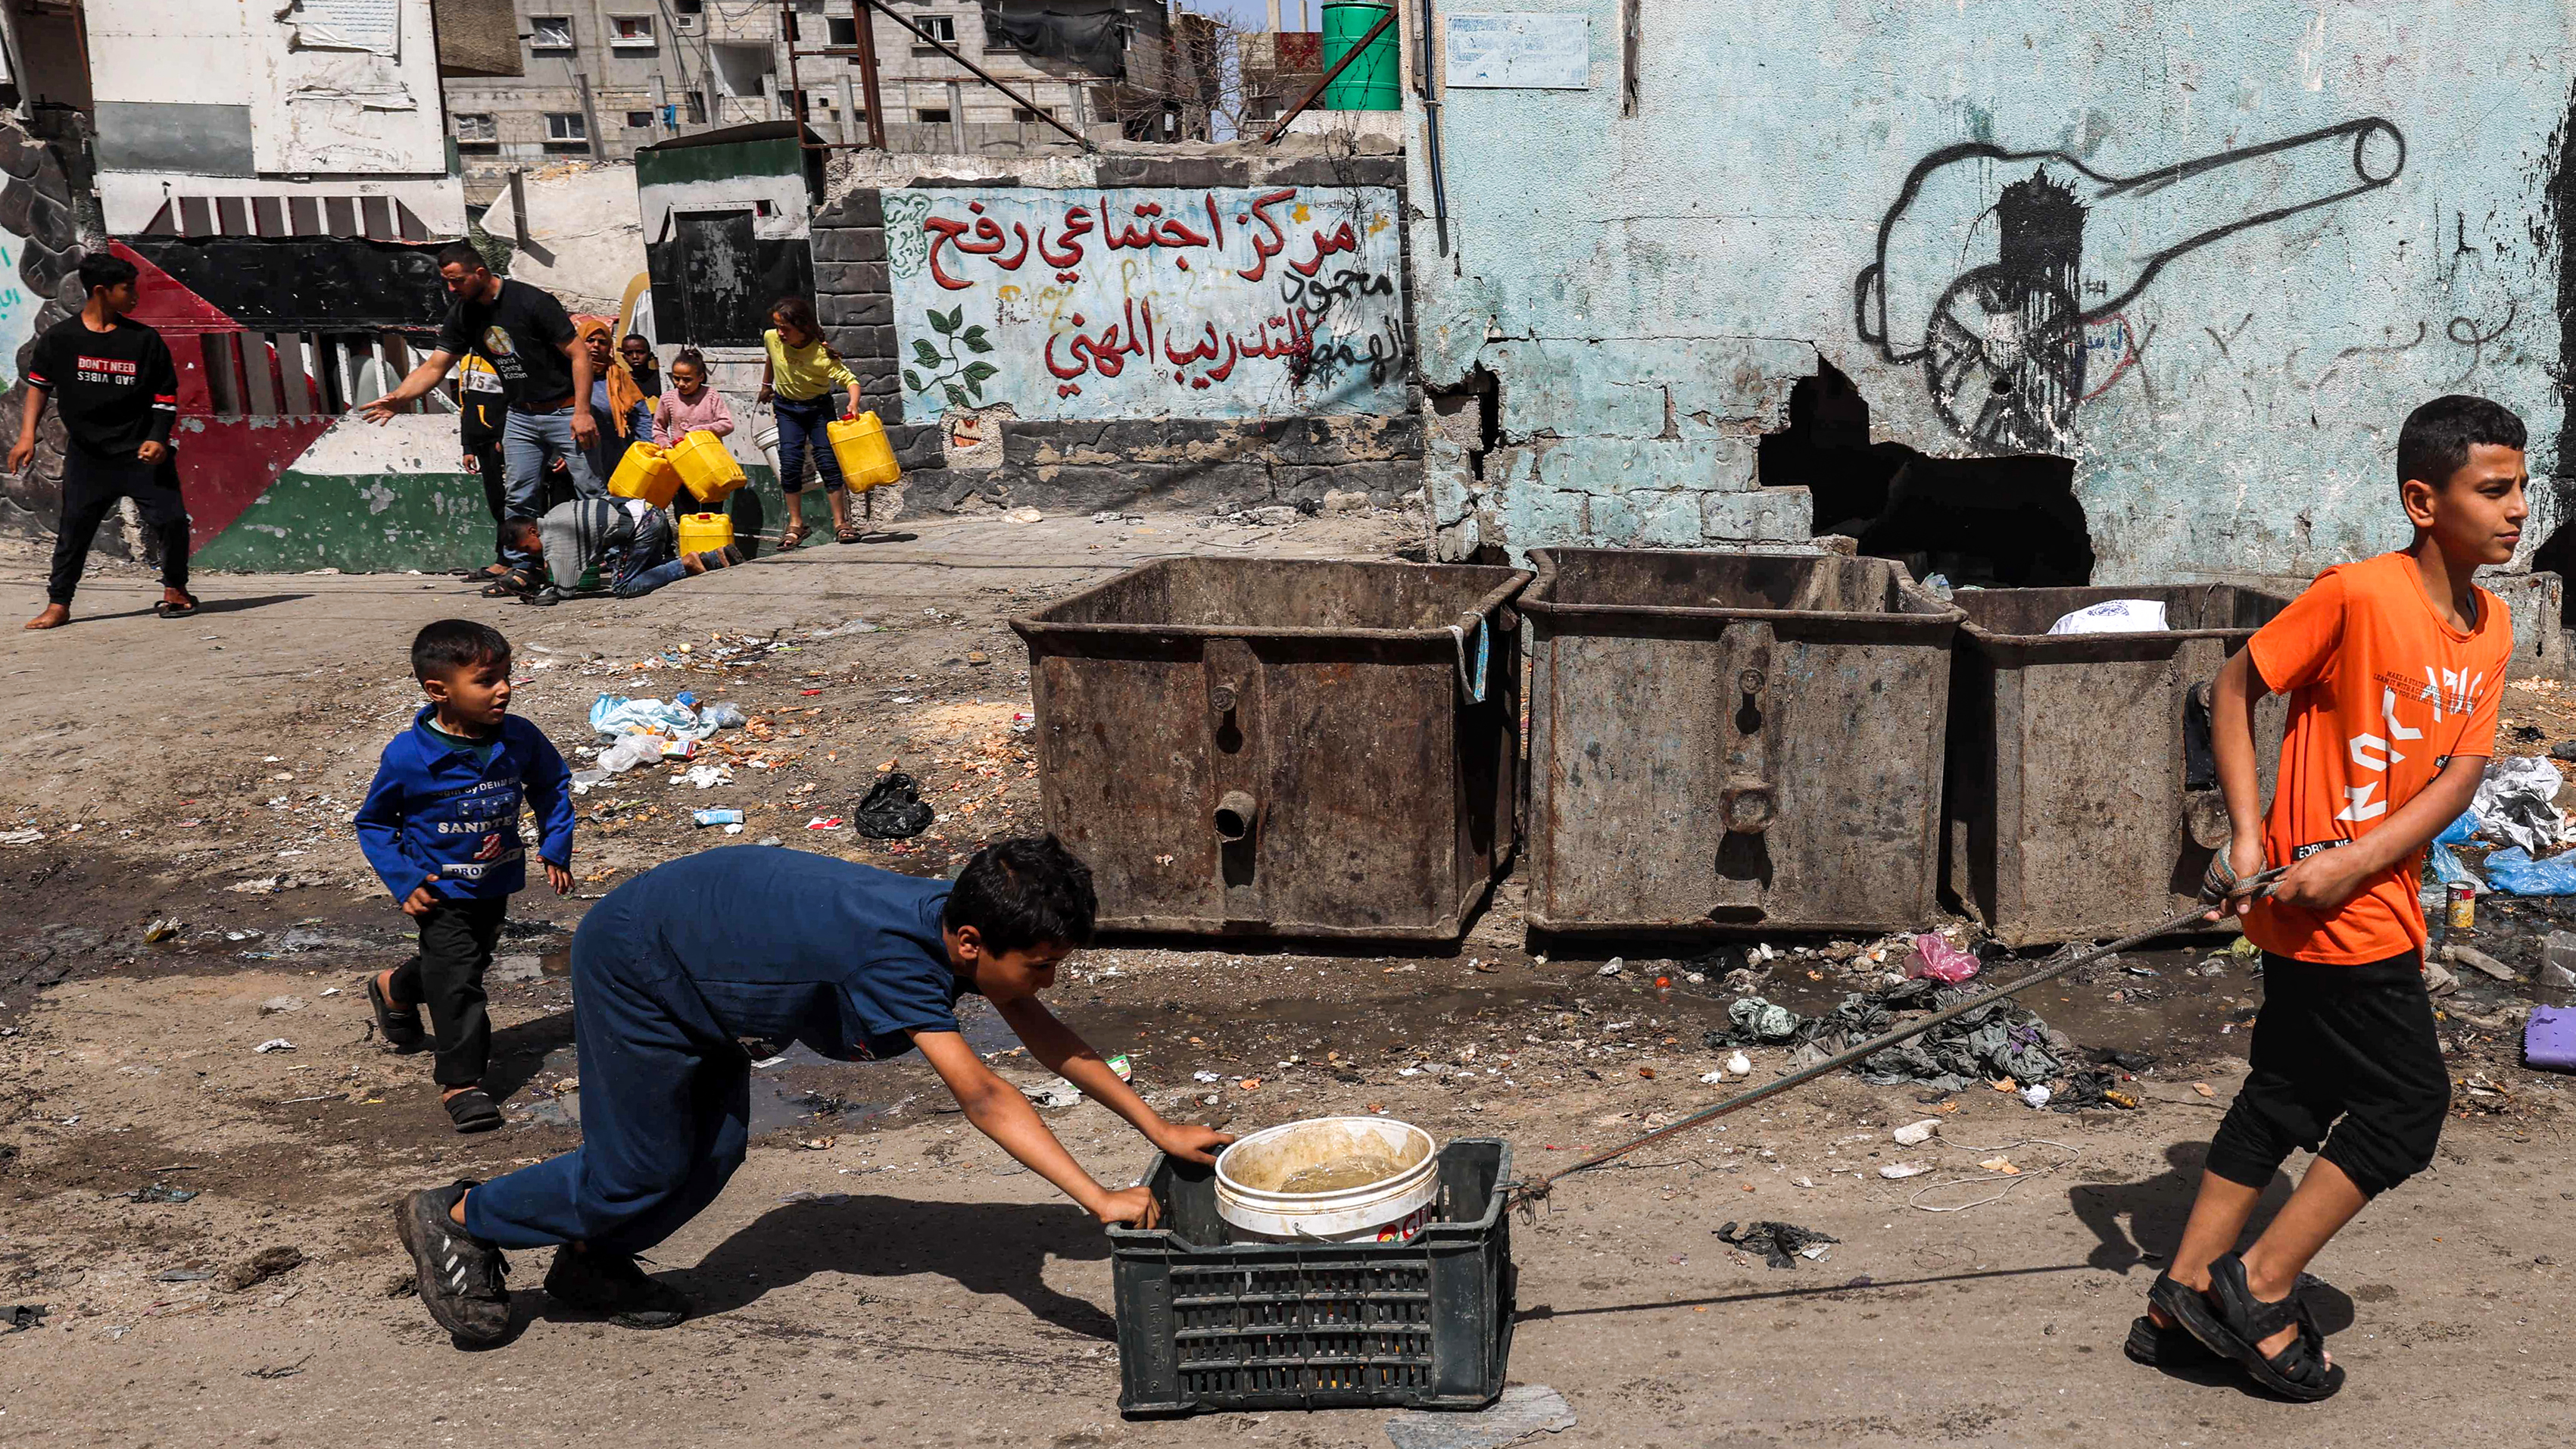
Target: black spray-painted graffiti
column 2005, row 343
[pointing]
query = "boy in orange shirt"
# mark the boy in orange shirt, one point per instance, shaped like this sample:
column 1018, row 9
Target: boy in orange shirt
column 2394, row 666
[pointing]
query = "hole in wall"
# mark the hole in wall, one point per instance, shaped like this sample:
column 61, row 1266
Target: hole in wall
column 2557, row 555
column 1987, row 521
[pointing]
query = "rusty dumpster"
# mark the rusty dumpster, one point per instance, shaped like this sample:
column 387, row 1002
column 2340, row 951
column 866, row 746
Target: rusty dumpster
column 1722, row 742
column 1283, row 747
column 2083, row 800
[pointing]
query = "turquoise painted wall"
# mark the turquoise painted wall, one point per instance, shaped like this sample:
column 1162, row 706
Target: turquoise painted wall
column 2099, row 259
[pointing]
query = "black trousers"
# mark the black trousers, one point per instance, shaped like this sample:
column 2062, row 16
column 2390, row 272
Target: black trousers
column 456, row 941
column 2345, row 1056
column 91, row 487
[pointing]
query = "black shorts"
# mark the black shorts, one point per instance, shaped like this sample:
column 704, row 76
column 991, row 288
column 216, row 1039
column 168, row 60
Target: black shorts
column 2346, row 1064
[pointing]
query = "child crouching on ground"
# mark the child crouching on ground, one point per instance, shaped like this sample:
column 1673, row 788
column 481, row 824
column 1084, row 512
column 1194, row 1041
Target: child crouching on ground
column 2394, row 666
column 678, row 968
column 633, row 540
column 441, row 826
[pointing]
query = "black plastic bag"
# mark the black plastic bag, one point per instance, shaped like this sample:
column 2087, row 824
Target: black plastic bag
column 892, row 810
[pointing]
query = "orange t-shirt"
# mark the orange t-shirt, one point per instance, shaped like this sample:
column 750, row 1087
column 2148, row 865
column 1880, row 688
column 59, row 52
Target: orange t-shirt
column 2383, row 694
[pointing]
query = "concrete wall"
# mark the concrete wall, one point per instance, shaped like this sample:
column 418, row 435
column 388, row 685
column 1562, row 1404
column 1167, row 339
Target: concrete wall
column 2211, row 251
column 1273, row 428
column 584, row 234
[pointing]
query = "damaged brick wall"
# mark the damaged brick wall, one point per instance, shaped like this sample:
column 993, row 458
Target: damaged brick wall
column 40, row 239
column 980, row 451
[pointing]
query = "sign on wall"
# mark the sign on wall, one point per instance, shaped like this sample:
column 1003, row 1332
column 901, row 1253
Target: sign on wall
column 1537, row 50
column 1254, row 302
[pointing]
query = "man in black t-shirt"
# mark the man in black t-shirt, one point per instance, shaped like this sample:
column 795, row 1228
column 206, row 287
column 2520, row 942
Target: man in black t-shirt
column 523, row 333
column 118, row 392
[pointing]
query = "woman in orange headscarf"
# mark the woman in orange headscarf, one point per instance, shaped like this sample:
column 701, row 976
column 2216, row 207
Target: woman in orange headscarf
column 617, row 405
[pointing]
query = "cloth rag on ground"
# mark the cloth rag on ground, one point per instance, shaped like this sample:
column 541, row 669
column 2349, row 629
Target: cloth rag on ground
column 2114, row 616
column 1998, row 1040
column 1774, row 1241
column 2549, row 1039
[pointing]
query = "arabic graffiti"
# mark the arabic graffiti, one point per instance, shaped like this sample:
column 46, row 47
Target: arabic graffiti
column 2008, row 342
column 1253, row 302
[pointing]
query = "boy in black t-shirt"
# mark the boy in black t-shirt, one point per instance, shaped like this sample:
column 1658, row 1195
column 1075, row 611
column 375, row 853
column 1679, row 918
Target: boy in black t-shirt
column 118, row 392
column 524, row 333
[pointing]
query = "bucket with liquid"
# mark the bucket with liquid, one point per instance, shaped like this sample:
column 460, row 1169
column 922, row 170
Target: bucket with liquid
column 1330, row 1180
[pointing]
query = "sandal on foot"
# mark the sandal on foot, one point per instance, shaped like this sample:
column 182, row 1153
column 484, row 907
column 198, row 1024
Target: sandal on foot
column 2168, row 1347
column 168, row 610
column 846, row 535
column 398, row 1025
column 2233, row 1322
column 514, row 584
column 472, row 1111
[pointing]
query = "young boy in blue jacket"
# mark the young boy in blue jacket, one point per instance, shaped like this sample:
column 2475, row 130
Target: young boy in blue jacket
column 441, row 826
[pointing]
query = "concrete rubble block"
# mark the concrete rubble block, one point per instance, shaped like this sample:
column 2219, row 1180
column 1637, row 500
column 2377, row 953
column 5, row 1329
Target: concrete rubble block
column 1764, row 515
column 862, row 207
column 857, row 278
column 918, row 446
column 1613, row 466
column 1647, row 520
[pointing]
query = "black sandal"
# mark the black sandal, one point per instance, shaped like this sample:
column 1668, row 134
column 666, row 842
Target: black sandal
column 472, row 1111
column 2165, row 1348
column 168, row 610
column 517, row 583
column 398, row 1025
column 2231, row 1321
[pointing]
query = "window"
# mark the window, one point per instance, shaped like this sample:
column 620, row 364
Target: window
column 639, row 120
column 1027, row 117
column 697, row 108
column 844, row 30
column 631, row 32
column 566, row 126
column 740, row 68
column 689, row 7
column 933, row 118
column 476, row 129
column 549, row 32
column 938, row 27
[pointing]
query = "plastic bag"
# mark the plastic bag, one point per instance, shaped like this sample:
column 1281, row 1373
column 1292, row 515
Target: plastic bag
column 893, row 810
column 2516, row 802
column 723, row 715
column 2114, row 616
column 630, row 751
column 2515, row 873
column 1935, row 957
column 615, row 714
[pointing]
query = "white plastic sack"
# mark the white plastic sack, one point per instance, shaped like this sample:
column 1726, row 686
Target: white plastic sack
column 2115, row 616
column 615, row 714
column 2517, row 802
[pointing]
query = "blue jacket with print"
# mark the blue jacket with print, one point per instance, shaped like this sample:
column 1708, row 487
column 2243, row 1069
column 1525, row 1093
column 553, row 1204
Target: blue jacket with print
column 433, row 810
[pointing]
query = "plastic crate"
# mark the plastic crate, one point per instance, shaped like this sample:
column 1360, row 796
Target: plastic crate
column 1204, row 1323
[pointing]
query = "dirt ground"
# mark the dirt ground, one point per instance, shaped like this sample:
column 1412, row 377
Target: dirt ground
column 879, row 1272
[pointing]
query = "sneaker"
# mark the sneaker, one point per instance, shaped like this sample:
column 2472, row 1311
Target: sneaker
column 598, row 1281
column 459, row 1275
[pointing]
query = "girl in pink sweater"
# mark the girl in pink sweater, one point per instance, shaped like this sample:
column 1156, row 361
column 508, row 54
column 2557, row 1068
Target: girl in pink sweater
column 688, row 404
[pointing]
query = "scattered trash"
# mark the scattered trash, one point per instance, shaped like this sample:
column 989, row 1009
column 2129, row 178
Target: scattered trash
column 182, row 1275
column 824, row 822
column 278, row 1005
column 1022, row 515
column 705, row 818
column 275, row 1044
column 2035, row 1096
column 158, row 1192
column 1998, row 1168
column 724, row 715
column 1936, row 958
column 162, row 930
column 2549, row 1039
column 892, row 809
column 1756, row 1021
column 818, row 1144
column 1739, row 1065
column 22, row 837
column 707, row 777
column 615, row 714
column 258, row 1268
column 1125, row 1069
column 1915, row 1134
column 2514, row 872
column 1776, row 1241
column 1058, row 1093
column 2479, row 961
column 2438, row 980
column 1897, row 1170
column 2114, row 616
column 2515, row 803
column 19, row 1317
column 1612, row 967
column 1523, row 1412
column 2203, row 1088
column 2002, row 1165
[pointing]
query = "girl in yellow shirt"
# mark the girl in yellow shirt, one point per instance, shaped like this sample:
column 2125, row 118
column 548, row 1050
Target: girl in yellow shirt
column 797, row 383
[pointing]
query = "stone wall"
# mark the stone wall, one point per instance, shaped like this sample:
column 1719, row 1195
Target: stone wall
column 985, row 454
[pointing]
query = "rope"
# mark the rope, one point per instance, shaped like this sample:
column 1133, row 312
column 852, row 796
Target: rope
column 1531, row 1190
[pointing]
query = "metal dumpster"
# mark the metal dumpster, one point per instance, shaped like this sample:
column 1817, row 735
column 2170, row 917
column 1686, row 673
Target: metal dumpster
column 1731, row 741
column 2083, row 800
column 1285, row 747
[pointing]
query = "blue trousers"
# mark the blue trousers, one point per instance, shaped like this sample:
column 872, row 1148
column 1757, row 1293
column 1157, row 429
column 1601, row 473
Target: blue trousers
column 801, row 433
column 651, row 561
column 530, row 441
column 665, row 1109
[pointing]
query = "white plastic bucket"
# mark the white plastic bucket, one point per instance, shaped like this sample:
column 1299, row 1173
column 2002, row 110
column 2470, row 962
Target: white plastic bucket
column 1390, row 1210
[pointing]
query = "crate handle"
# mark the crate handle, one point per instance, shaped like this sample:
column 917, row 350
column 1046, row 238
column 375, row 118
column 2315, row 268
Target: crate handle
column 1474, row 684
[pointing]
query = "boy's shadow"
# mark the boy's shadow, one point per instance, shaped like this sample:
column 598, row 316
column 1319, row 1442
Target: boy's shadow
column 2157, row 1207
column 520, row 1050
column 983, row 1247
